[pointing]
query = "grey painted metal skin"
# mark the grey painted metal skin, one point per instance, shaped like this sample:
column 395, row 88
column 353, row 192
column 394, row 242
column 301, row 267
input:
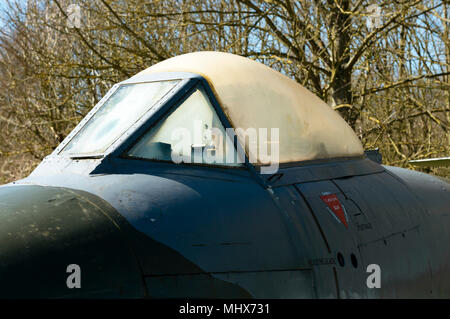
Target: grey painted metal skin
column 155, row 229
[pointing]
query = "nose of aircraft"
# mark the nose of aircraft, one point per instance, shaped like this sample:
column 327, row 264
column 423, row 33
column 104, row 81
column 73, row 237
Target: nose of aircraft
column 45, row 230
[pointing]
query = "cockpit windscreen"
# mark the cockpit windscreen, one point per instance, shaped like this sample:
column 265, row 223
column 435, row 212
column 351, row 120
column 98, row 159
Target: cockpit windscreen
column 123, row 108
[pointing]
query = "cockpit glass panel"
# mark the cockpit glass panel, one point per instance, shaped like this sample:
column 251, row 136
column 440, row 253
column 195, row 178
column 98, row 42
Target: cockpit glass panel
column 193, row 133
column 122, row 109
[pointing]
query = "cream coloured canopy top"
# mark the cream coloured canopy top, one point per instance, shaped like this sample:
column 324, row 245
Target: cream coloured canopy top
column 253, row 95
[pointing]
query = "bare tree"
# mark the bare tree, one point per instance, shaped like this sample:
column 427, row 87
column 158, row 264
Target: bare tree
column 383, row 65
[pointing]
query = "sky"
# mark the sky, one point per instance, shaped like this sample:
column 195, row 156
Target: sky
column 4, row 6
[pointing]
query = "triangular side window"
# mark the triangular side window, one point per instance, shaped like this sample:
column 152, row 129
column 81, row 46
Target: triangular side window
column 192, row 133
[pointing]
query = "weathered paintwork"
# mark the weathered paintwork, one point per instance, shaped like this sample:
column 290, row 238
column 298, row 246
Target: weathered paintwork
column 45, row 229
column 153, row 229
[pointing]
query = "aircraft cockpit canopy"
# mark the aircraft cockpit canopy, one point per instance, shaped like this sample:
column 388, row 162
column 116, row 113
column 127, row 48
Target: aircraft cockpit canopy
column 240, row 94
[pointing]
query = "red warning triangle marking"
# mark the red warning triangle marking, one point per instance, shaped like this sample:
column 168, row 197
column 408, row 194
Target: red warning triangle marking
column 335, row 206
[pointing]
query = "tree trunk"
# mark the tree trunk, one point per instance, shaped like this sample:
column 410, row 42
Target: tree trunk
column 341, row 84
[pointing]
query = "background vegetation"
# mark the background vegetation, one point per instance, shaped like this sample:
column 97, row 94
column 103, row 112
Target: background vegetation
column 384, row 65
